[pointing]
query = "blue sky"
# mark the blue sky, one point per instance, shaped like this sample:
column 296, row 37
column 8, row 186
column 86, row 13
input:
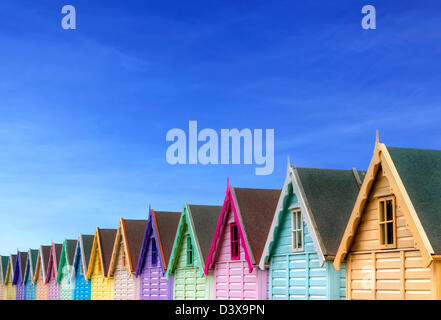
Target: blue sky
column 84, row 113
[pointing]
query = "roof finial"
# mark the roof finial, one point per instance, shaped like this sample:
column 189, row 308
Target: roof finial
column 228, row 181
column 289, row 162
column 377, row 137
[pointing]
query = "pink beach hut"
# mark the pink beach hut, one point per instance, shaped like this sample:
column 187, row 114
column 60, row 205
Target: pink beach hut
column 238, row 243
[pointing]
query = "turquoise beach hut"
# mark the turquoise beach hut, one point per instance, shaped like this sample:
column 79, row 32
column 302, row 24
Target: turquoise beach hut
column 310, row 219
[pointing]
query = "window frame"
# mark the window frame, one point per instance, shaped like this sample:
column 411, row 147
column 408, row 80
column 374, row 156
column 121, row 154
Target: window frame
column 234, row 241
column 154, row 253
column 296, row 230
column 385, row 222
column 190, row 254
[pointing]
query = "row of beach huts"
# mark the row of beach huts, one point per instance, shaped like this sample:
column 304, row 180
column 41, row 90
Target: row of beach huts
column 327, row 234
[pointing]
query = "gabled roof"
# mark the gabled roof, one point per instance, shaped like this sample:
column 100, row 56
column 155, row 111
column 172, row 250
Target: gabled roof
column 420, row 172
column 103, row 245
column 13, row 264
column 204, row 219
column 413, row 177
column 166, row 224
column 84, row 246
column 201, row 221
column 54, row 260
column 31, row 263
column 132, row 233
column 326, row 197
column 163, row 225
column 4, row 260
column 330, row 195
column 20, row 267
column 256, row 208
column 106, row 238
column 42, row 262
column 66, row 256
column 70, row 250
column 86, row 242
column 253, row 210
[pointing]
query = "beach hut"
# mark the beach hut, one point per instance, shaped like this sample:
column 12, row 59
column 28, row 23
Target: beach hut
column 51, row 273
column 80, row 267
column 65, row 269
column 42, row 290
column 40, row 273
column 101, row 285
column 4, row 260
column 155, row 253
column 11, row 292
column 31, row 265
column 19, row 273
column 392, row 241
column 310, row 218
column 238, row 242
column 190, row 251
column 125, row 257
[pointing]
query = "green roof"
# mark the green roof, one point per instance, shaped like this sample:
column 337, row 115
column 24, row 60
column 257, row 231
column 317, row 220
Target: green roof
column 330, row 195
column 420, row 172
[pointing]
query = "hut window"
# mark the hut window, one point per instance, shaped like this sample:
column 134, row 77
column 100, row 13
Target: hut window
column 297, row 231
column 234, row 238
column 100, row 269
column 386, row 219
column 189, row 251
column 154, row 253
column 123, row 257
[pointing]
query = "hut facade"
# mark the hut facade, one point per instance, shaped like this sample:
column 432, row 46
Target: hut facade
column 101, row 284
column 155, row 253
column 238, row 242
column 190, row 251
column 125, row 257
column 80, row 266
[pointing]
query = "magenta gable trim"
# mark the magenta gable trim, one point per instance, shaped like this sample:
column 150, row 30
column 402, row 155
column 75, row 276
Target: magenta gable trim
column 229, row 199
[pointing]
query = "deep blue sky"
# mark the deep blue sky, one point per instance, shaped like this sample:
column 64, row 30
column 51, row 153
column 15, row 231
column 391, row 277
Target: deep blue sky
column 84, row 113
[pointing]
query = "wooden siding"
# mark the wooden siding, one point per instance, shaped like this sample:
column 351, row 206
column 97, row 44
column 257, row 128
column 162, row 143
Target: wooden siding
column 126, row 286
column 375, row 273
column 66, row 286
column 101, row 287
column 42, row 289
column 53, row 289
column 299, row 275
column 2, row 292
column 154, row 285
column 11, row 292
column 390, row 275
column 20, row 291
column 30, row 291
column 367, row 237
column 82, row 288
column 189, row 282
column 232, row 279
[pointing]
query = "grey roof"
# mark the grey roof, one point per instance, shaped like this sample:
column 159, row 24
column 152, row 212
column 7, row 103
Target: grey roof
column 420, row 172
column 4, row 267
column 46, row 251
column 13, row 262
column 257, row 207
column 204, row 219
column 86, row 248
column 32, row 258
column 70, row 250
column 107, row 239
column 58, row 247
column 330, row 195
column 23, row 258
